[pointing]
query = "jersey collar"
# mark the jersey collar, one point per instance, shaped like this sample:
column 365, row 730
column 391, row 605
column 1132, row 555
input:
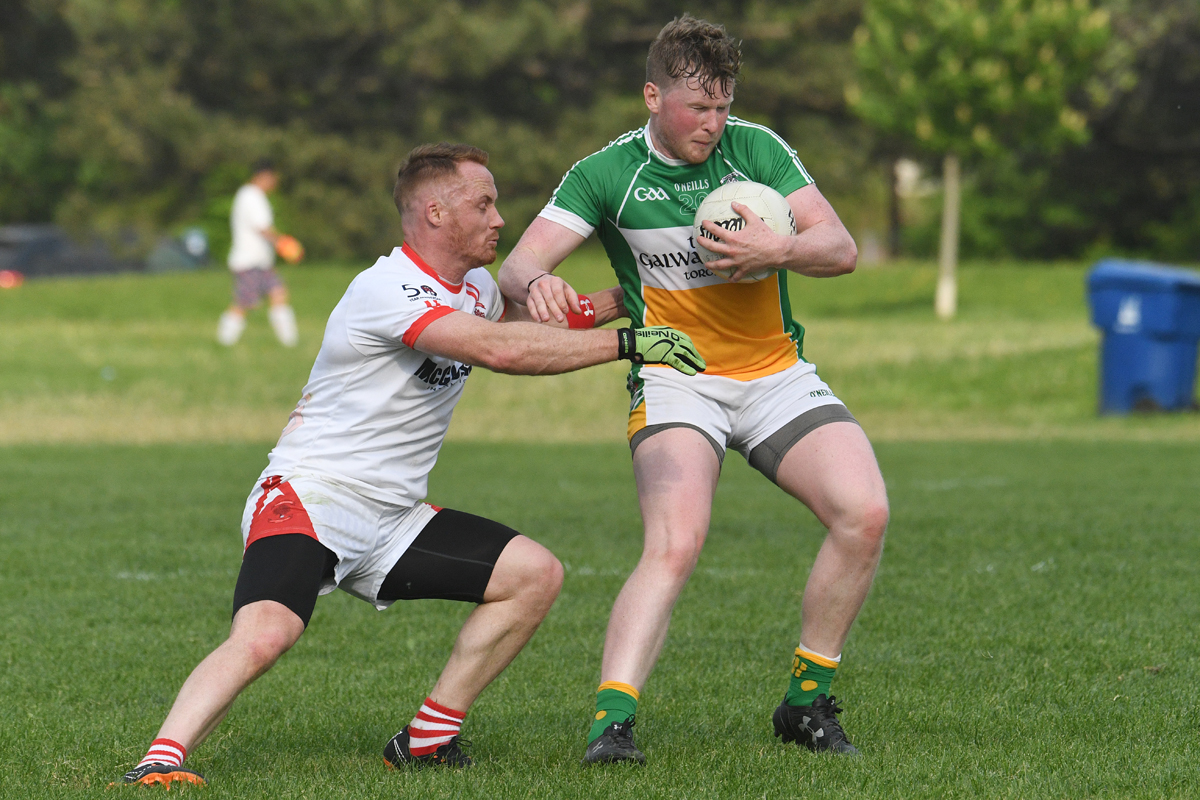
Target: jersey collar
column 674, row 162
column 428, row 270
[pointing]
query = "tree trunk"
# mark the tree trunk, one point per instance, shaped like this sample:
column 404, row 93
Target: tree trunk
column 946, row 300
column 894, row 219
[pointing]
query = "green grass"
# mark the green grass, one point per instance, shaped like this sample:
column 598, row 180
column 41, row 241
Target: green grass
column 1030, row 634
column 132, row 359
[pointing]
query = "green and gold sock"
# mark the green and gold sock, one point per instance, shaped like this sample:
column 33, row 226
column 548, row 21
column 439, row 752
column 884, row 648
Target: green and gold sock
column 811, row 675
column 615, row 702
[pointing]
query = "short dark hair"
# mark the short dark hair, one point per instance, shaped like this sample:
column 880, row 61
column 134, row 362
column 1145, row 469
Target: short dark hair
column 692, row 48
column 262, row 165
column 429, row 162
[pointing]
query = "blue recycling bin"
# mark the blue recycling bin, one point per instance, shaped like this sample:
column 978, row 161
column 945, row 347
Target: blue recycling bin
column 1150, row 315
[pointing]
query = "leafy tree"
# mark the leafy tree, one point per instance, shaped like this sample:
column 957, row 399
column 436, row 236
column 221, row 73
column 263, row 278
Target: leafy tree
column 166, row 104
column 1135, row 186
column 34, row 45
column 974, row 79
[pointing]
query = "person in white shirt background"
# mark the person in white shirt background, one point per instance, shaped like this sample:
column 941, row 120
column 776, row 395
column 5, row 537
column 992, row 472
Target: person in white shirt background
column 252, row 261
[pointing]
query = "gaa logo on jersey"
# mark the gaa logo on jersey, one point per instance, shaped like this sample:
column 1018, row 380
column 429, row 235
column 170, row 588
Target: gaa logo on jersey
column 642, row 194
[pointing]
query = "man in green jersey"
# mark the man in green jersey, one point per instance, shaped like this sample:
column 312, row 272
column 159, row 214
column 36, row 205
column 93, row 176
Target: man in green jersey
column 758, row 395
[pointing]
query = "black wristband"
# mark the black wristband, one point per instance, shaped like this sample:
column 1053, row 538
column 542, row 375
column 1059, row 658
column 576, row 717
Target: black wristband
column 530, row 284
column 625, row 344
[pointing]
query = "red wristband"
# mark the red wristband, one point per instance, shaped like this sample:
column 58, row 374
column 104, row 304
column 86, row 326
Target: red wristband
column 587, row 317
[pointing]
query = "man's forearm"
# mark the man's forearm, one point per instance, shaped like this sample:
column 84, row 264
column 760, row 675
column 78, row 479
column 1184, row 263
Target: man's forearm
column 521, row 266
column 822, row 251
column 527, row 348
column 609, row 305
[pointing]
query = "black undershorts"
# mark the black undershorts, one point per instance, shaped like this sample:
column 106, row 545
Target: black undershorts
column 452, row 558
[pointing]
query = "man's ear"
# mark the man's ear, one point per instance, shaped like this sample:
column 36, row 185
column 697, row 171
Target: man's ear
column 653, row 97
column 435, row 213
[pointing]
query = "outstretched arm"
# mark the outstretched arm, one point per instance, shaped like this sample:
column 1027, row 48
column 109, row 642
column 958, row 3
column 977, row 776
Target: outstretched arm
column 523, row 348
column 821, row 248
column 525, row 276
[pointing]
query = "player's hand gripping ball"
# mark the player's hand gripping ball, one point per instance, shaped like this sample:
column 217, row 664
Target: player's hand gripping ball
column 289, row 248
column 717, row 208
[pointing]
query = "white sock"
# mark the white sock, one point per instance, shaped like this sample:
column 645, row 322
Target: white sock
column 835, row 659
column 230, row 328
column 283, row 321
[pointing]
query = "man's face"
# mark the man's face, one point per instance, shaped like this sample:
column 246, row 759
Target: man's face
column 267, row 180
column 687, row 122
column 473, row 223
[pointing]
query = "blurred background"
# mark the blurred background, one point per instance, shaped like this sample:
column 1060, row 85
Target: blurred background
column 131, row 118
column 126, row 126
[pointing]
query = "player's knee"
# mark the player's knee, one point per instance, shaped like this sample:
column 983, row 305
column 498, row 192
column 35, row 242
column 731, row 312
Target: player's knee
column 538, row 575
column 265, row 647
column 677, row 560
column 550, row 579
column 870, row 523
column 544, row 576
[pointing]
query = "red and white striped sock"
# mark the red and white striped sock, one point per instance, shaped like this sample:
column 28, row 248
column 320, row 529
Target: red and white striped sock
column 432, row 727
column 165, row 751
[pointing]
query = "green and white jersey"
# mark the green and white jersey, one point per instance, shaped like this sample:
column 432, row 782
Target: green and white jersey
column 642, row 204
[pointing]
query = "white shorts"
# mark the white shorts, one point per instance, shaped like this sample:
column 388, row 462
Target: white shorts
column 367, row 536
column 760, row 418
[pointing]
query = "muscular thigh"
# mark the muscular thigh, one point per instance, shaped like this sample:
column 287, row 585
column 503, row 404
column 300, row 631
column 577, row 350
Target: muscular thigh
column 833, row 471
column 676, row 472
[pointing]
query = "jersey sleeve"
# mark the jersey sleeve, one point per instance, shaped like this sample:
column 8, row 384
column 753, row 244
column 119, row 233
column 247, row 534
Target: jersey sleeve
column 385, row 315
column 768, row 158
column 489, row 302
column 578, row 202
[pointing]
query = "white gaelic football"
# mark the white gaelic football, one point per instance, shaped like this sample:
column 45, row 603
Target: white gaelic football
column 759, row 198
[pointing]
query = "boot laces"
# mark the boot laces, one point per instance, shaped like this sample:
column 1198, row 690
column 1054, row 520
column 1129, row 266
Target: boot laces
column 825, row 711
column 452, row 750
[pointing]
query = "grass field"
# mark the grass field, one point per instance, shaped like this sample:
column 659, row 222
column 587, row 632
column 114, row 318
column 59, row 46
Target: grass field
column 1031, row 632
column 133, row 360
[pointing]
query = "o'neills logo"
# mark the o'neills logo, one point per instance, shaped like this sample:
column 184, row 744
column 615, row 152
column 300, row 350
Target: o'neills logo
column 434, row 375
column 692, row 186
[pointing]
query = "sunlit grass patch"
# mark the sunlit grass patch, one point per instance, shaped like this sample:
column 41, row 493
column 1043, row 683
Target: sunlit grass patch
column 134, row 359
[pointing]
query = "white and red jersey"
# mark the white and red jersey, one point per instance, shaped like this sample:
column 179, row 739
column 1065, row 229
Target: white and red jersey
column 375, row 410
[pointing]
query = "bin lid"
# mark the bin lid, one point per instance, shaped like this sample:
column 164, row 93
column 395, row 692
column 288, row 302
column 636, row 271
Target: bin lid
column 1141, row 276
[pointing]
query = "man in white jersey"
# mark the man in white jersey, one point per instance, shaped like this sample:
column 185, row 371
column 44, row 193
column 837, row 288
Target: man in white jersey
column 758, row 395
column 340, row 502
column 252, row 261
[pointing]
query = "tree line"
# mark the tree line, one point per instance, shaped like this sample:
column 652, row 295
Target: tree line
column 138, row 117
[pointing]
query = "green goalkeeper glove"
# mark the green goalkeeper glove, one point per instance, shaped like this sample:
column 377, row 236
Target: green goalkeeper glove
column 660, row 345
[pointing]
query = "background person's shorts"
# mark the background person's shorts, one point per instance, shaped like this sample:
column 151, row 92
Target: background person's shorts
column 250, row 286
column 367, row 536
column 738, row 414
